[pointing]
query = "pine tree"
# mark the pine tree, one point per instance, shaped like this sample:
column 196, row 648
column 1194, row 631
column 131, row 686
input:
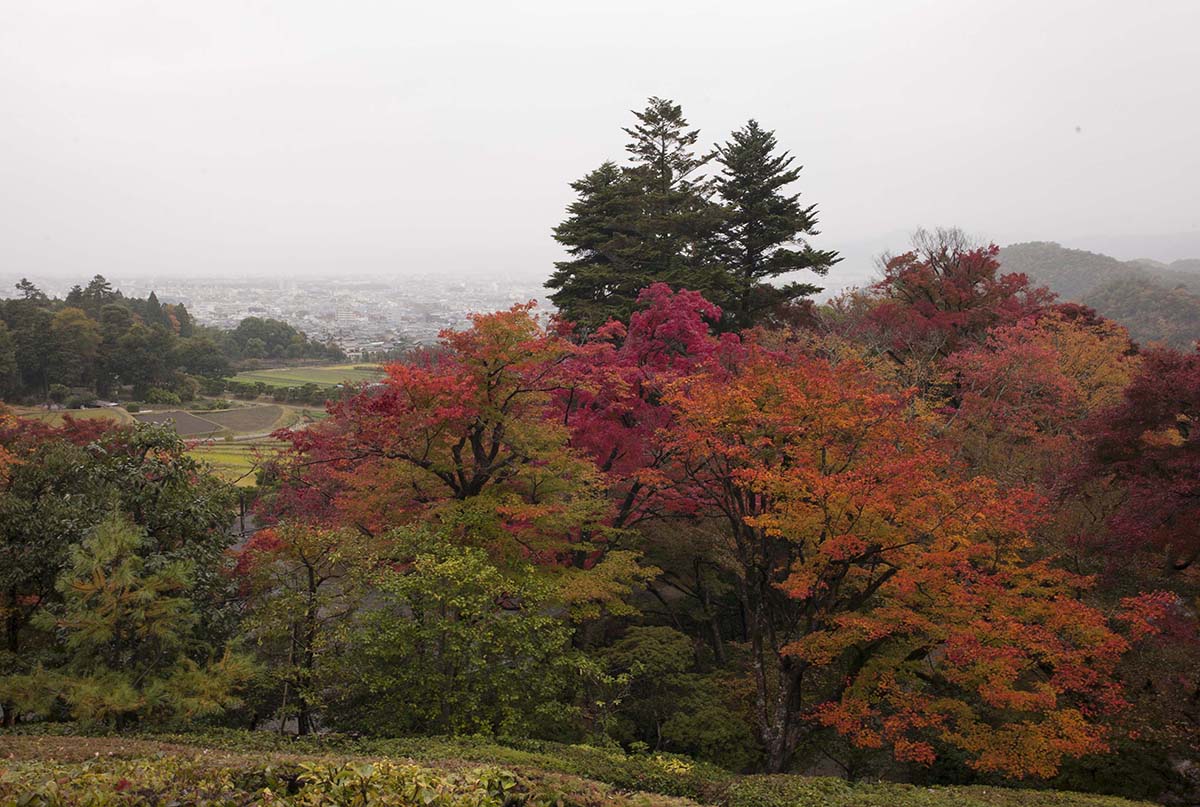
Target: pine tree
column 29, row 291
column 677, row 218
column 99, row 292
column 763, row 229
column 651, row 221
column 126, row 624
column 604, row 274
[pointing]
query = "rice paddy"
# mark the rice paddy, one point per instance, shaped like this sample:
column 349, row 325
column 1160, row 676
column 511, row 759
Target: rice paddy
column 235, row 461
column 323, row 375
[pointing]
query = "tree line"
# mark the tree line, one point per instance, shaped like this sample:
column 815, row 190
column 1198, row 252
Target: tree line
column 96, row 342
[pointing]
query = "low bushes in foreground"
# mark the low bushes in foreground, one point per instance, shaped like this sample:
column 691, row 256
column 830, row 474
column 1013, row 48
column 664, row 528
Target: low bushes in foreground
column 243, row 768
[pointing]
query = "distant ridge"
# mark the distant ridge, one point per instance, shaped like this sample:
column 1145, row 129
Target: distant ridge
column 1156, row 301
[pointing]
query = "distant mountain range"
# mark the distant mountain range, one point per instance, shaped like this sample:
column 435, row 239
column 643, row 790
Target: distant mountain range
column 1156, row 301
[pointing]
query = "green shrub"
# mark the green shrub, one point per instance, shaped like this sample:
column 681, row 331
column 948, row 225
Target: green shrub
column 157, row 395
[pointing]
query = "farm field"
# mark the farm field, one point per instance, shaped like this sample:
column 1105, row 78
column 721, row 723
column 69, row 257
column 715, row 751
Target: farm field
column 56, row 418
column 325, row 375
column 186, row 424
column 235, row 461
column 248, row 419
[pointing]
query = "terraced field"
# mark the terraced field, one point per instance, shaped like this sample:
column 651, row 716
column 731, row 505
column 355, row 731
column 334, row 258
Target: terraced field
column 186, row 424
column 250, row 419
column 215, row 432
column 325, row 375
column 236, row 461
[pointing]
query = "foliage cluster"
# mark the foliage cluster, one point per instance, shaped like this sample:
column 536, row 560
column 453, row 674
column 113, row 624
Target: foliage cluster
column 97, row 342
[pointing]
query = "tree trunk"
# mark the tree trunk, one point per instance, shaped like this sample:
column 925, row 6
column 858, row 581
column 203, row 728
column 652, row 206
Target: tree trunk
column 12, row 631
column 714, row 627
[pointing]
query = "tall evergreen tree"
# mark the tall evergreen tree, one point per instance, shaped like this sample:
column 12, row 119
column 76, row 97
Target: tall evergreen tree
column 155, row 313
column 34, row 350
column 604, row 274
column 631, row 226
column 75, row 298
column 677, row 218
column 762, row 235
column 29, row 291
column 99, row 290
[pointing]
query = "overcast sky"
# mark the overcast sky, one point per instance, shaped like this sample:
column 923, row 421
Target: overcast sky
column 244, row 137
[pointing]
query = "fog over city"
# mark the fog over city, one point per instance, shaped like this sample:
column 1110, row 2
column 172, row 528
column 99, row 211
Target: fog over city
column 306, row 139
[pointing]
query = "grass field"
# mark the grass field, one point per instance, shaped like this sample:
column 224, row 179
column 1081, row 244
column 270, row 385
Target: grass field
column 252, row 768
column 235, row 461
column 325, row 375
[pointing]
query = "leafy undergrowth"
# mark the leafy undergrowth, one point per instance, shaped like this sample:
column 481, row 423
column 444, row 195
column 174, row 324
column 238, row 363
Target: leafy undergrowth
column 242, row 768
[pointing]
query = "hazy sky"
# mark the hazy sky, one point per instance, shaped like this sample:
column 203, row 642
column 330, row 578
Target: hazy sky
column 251, row 137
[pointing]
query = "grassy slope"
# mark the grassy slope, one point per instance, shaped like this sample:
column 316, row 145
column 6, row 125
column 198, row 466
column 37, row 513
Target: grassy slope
column 546, row 772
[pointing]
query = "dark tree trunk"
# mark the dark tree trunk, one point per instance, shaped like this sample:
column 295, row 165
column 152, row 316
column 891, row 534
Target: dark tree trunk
column 12, row 630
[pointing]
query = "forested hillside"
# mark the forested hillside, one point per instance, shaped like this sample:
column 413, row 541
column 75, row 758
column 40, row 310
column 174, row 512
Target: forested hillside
column 1158, row 302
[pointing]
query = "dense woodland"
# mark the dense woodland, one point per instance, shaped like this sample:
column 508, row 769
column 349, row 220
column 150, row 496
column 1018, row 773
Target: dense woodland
column 940, row 529
column 99, row 343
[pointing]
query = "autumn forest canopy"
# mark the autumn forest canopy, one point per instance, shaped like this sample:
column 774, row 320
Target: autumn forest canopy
column 940, row 529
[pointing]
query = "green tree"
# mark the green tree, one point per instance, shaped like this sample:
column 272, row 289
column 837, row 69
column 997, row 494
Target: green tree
column 678, row 217
column 183, row 319
column 200, row 356
column 301, row 585
column 65, row 482
column 126, row 625
column 31, row 292
column 30, row 324
column 8, row 363
column 115, row 322
column 650, row 221
column 99, row 292
column 453, row 644
column 142, row 358
column 603, row 276
column 154, row 313
column 75, row 341
column 762, row 234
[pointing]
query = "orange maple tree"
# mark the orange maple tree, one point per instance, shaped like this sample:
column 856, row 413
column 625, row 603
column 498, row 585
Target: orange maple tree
column 886, row 595
column 462, row 436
